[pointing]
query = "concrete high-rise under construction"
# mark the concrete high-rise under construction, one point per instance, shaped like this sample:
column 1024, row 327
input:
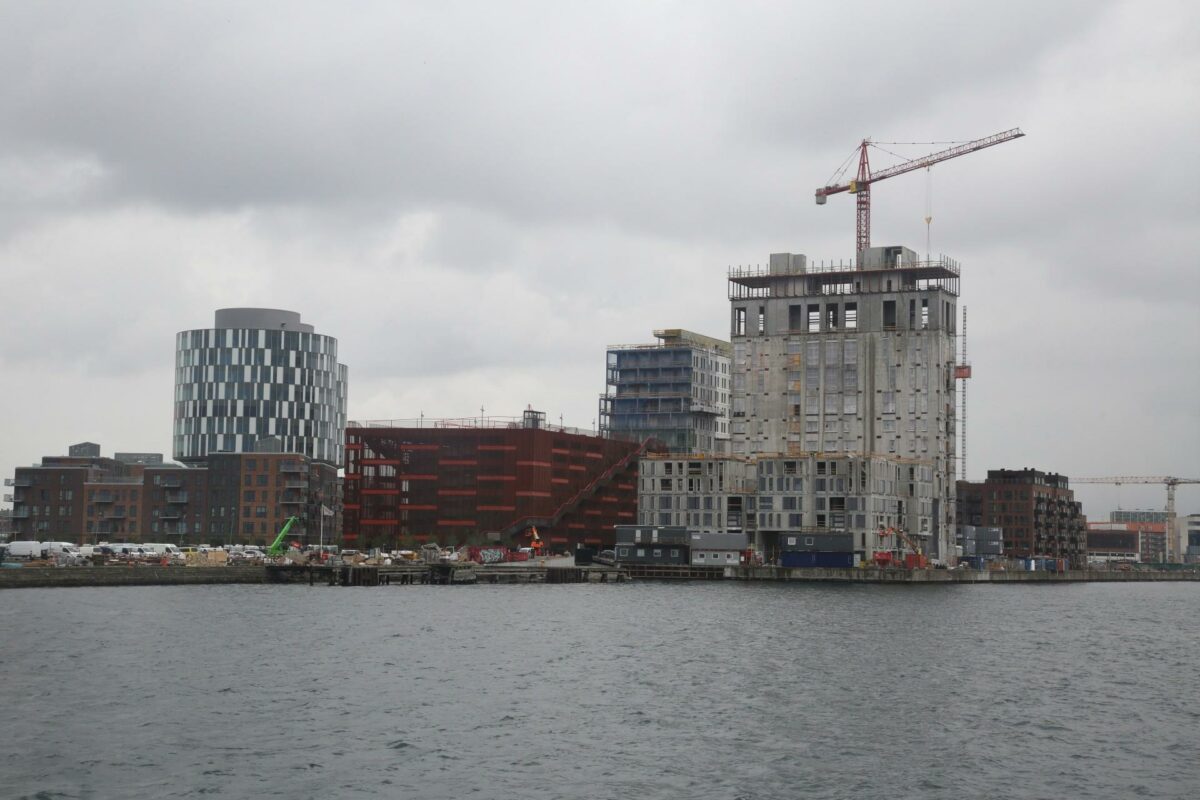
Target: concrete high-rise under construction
column 855, row 362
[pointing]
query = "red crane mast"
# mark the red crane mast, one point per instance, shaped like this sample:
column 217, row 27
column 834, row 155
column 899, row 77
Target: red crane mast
column 861, row 185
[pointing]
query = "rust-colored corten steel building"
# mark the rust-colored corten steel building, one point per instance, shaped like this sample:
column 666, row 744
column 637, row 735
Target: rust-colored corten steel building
column 487, row 479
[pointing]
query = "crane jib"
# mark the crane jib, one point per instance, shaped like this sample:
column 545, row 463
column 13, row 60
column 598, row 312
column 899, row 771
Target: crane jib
column 861, row 185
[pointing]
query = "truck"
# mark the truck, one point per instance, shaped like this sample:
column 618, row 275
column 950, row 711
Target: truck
column 26, row 550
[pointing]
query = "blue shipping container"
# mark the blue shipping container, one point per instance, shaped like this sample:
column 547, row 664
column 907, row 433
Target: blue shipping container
column 810, row 558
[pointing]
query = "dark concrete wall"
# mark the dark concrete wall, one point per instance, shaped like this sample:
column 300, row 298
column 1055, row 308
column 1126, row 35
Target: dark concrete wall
column 32, row 577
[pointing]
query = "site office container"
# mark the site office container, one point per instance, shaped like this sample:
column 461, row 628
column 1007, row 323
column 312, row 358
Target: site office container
column 814, row 558
column 716, row 558
column 651, row 554
column 817, row 542
column 652, row 535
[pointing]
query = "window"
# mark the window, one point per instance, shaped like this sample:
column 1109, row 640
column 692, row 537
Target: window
column 641, row 553
column 739, row 322
column 851, row 321
column 674, row 553
column 889, row 314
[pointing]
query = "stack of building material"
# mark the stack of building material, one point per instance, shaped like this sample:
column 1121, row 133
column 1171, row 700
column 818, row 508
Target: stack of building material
column 979, row 541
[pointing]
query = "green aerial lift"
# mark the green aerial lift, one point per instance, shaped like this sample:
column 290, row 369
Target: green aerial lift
column 276, row 548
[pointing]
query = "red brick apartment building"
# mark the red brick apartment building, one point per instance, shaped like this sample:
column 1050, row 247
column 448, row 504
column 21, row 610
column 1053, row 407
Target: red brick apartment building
column 1037, row 510
column 235, row 498
column 487, row 479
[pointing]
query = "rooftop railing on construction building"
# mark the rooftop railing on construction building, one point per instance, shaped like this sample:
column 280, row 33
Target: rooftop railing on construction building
column 942, row 263
column 841, row 277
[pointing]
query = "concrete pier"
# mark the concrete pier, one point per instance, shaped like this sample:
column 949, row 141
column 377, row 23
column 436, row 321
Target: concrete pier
column 41, row 577
column 874, row 575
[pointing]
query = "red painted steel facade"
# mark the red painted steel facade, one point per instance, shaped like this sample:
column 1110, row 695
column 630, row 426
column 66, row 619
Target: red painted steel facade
column 456, row 485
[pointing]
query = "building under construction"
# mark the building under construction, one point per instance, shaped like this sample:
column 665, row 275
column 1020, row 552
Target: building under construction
column 854, row 360
column 676, row 391
column 485, row 479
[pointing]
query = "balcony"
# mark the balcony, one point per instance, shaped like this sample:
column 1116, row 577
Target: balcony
column 171, row 514
column 171, row 483
column 20, row 513
column 104, row 497
column 292, row 466
column 177, row 497
column 8, row 498
column 114, row 514
column 295, row 485
column 291, row 500
column 22, row 483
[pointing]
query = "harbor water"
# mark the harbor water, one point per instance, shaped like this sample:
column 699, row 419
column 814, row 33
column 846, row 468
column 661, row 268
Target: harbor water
column 648, row 690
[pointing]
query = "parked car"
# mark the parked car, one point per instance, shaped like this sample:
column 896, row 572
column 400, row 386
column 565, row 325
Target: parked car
column 246, row 554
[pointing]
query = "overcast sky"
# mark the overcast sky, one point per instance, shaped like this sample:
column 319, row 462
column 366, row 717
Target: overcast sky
column 477, row 198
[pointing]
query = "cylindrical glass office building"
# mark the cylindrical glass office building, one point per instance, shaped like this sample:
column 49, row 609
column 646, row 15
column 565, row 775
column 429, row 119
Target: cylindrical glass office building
column 258, row 373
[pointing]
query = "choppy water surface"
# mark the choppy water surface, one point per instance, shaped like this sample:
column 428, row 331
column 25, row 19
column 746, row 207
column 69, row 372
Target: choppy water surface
column 648, row 690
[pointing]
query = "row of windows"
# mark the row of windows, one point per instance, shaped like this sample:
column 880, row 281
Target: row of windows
column 255, row 337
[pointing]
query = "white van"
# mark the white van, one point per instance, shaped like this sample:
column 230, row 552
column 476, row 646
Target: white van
column 26, row 550
column 169, row 550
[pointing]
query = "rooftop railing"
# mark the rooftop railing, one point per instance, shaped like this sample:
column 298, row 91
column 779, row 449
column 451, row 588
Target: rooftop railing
column 843, row 266
column 486, row 423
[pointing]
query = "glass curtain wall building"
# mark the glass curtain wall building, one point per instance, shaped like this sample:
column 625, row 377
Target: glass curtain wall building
column 258, row 373
column 676, row 391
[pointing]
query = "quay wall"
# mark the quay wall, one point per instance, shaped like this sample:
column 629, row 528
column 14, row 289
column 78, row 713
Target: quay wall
column 870, row 575
column 41, row 577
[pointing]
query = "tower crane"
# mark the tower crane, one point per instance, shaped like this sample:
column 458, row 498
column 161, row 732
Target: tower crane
column 1174, row 552
column 861, row 185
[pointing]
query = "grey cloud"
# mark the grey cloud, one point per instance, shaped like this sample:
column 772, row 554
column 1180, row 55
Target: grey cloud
column 461, row 192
